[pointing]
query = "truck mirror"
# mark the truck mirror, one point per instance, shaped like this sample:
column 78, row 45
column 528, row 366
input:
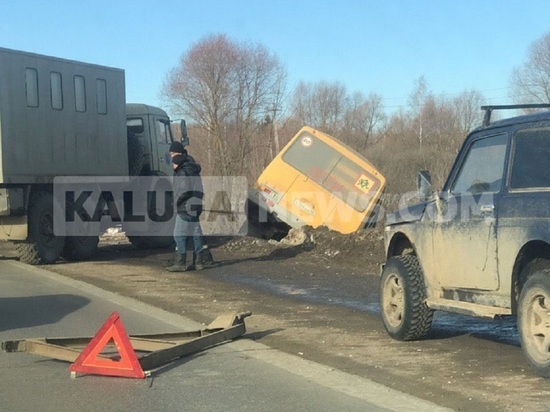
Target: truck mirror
column 424, row 185
column 183, row 130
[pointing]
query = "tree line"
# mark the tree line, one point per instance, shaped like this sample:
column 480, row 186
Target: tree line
column 241, row 114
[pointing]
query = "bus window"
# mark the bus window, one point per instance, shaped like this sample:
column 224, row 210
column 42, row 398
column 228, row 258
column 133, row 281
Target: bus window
column 312, row 157
column 329, row 168
column 353, row 184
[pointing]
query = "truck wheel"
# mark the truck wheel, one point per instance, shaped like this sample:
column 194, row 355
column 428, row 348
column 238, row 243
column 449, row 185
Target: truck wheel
column 41, row 246
column 534, row 321
column 80, row 247
column 152, row 242
column 402, row 295
column 136, row 152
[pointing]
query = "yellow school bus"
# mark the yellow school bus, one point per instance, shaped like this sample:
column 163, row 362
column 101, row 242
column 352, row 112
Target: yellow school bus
column 317, row 180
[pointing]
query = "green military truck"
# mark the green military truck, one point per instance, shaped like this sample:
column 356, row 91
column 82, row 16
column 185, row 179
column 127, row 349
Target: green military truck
column 60, row 117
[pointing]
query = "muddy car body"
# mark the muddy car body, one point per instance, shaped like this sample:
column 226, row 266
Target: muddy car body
column 481, row 247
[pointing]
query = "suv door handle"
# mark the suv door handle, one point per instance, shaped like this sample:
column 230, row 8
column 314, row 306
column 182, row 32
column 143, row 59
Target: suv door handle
column 487, row 208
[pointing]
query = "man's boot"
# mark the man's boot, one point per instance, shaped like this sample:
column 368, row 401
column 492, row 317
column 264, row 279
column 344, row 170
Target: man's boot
column 179, row 264
column 197, row 263
column 206, row 256
column 203, row 258
column 197, row 257
column 175, row 260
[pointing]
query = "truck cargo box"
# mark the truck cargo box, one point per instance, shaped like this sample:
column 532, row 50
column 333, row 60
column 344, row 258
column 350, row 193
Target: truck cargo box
column 60, row 118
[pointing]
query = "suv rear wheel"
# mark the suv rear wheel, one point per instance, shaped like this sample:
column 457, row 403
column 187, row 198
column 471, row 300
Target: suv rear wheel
column 534, row 321
column 402, row 296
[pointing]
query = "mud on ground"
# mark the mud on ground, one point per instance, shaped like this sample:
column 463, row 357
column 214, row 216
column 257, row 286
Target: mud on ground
column 362, row 249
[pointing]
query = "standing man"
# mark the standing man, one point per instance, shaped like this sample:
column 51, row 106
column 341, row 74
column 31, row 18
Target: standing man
column 189, row 191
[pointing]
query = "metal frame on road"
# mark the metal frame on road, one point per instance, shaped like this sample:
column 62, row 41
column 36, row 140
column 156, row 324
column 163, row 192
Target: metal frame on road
column 159, row 349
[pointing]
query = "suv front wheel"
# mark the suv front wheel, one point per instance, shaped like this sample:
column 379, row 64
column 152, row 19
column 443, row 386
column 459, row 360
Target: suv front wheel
column 402, row 296
column 534, row 321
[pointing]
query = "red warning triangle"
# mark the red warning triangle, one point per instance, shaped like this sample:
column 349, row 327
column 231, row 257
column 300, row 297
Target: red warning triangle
column 91, row 362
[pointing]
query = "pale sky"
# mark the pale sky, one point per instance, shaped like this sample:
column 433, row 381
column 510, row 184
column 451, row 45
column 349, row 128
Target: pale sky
column 379, row 46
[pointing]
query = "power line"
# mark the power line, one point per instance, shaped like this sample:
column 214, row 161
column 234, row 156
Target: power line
column 444, row 94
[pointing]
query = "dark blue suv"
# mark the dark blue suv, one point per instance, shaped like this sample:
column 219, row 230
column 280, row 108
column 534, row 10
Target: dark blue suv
column 481, row 247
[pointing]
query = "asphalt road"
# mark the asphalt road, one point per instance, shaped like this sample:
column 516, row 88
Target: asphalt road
column 240, row 375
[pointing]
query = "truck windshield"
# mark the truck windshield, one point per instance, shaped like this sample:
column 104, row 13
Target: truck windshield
column 163, row 131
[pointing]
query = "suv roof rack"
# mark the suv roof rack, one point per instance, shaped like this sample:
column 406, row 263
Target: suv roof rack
column 489, row 109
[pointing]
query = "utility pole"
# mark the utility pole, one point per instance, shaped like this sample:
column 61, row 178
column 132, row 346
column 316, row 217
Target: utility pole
column 275, row 131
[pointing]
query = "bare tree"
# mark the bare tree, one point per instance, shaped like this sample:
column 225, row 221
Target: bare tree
column 426, row 136
column 467, row 107
column 442, row 118
column 364, row 117
column 419, row 95
column 418, row 100
column 228, row 89
column 327, row 106
column 320, row 105
column 530, row 83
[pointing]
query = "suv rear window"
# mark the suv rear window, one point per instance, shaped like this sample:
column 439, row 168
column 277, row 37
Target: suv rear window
column 531, row 159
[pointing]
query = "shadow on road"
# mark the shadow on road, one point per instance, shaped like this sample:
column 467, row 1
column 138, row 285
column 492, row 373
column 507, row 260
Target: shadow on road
column 29, row 311
column 275, row 255
column 450, row 325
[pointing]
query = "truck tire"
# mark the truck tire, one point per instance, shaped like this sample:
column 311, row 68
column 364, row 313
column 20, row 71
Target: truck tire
column 533, row 321
column 152, row 242
column 41, row 246
column 402, row 299
column 136, row 152
column 80, row 247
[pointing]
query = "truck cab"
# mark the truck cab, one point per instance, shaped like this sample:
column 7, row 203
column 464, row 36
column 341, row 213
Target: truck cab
column 151, row 127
